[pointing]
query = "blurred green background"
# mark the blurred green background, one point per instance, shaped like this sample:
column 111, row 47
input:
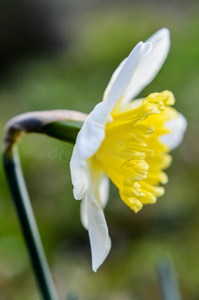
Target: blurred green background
column 62, row 57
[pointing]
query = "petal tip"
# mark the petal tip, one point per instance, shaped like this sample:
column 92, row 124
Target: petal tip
column 161, row 37
column 144, row 46
column 164, row 31
column 97, row 263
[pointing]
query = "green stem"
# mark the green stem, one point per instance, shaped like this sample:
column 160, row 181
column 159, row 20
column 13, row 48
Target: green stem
column 63, row 125
column 24, row 210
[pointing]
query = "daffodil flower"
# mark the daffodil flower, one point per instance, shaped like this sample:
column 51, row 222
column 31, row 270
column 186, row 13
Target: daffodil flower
column 126, row 141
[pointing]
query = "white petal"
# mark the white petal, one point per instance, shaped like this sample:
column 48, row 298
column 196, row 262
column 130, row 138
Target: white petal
column 88, row 142
column 98, row 233
column 80, row 179
column 112, row 80
column 92, row 215
column 92, row 132
column 102, row 192
column 178, row 127
column 122, row 76
column 83, row 213
column 150, row 65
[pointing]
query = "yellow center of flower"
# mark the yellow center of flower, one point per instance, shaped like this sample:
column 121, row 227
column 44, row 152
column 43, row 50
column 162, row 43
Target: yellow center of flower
column 132, row 154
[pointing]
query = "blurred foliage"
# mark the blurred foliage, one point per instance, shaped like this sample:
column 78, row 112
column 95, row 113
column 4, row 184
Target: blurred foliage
column 102, row 37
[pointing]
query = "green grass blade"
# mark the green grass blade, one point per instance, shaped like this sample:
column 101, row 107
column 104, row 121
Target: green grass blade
column 168, row 280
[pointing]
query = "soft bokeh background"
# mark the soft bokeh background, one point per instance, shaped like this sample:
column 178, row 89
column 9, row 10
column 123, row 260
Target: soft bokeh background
column 60, row 55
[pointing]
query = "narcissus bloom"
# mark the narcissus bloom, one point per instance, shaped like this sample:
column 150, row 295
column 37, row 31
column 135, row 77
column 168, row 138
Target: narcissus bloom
column 126, row 141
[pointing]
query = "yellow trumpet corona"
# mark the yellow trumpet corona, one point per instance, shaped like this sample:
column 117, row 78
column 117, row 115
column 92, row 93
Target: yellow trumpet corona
column 132, row 155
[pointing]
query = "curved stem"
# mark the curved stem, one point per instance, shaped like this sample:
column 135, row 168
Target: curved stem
column 60, row 124
column 28, row 224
